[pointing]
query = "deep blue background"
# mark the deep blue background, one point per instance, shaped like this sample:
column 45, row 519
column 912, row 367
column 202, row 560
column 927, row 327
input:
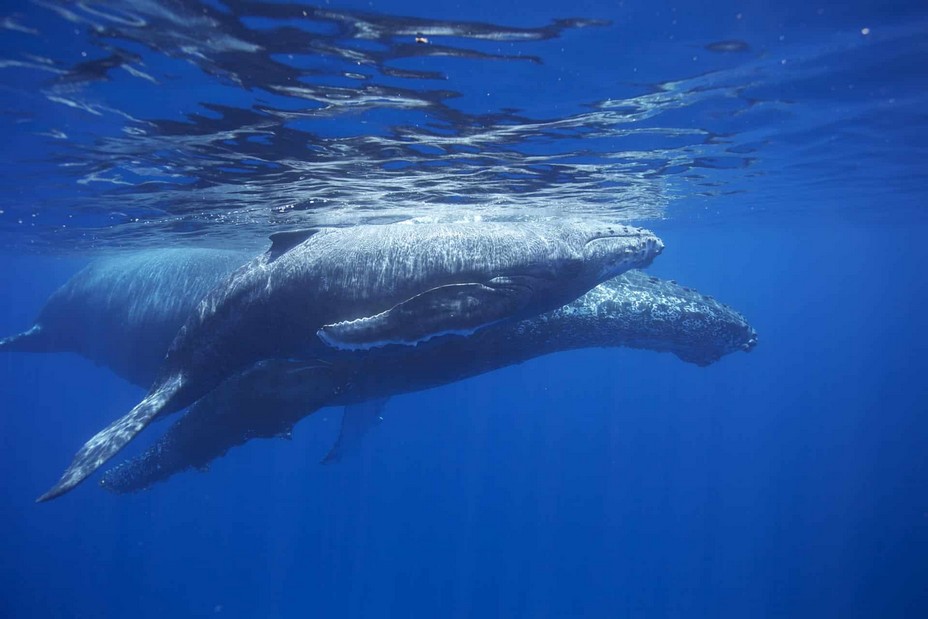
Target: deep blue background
column 786, row 482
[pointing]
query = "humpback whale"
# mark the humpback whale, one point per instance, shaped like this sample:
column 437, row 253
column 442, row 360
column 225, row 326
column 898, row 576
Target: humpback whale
column 632, row 310
column 326, row 291
column 123, row 311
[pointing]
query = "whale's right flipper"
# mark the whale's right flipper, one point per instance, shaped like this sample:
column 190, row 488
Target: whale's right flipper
column 33, row 340
column 456, row 308
column 109, row 441
column 357, row 420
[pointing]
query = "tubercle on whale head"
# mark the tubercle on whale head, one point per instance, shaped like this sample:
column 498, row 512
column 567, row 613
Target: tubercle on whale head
column 704, row 349
column 735, row 334
column 751, row 342
column 741, row 337
column 616, row 249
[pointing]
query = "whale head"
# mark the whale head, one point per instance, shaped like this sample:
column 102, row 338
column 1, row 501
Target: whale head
column 610, row 250
column 725, row 337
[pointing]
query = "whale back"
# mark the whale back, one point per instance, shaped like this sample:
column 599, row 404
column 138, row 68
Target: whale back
column 373, row 266
column 123, row 311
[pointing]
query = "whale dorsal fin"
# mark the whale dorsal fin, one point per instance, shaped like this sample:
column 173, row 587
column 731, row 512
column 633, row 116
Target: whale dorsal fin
column 282, row 242
column 357, row 420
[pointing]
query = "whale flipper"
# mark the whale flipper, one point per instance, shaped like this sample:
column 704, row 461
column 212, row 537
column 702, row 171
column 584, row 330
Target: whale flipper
column 457, row 309
column 113, row 438
column 265, row 401
column 357, row 420
column 33, row 340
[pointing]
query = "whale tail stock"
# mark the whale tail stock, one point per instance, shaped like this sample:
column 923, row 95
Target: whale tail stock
column 32, row 340
column 106, row 443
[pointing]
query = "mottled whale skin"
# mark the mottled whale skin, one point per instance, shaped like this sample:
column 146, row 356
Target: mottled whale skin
column 123, row 311
column 369, row 287
column 632, row 310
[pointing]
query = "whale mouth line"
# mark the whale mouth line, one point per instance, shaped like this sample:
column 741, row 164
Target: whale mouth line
column 617, row 235
column 642, row 241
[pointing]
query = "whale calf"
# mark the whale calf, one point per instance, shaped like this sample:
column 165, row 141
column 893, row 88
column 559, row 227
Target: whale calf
column 123, row 311
column 632, row 310
column 327, row 291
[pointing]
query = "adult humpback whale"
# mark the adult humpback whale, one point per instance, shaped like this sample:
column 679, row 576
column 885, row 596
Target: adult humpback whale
column 632, row 310
column 124, row 310
column 136, row 292
column 367, row 287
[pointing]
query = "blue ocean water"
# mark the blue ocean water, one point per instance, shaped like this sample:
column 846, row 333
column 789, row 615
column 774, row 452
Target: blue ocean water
column 777, row 150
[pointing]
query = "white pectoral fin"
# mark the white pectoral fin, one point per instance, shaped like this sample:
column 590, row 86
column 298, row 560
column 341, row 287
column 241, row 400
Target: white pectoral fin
column 357, row 421
column 110, row 440
column 453, row 309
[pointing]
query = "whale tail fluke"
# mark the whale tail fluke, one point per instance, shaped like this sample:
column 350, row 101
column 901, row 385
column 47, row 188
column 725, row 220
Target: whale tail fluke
column 33, row 340
column 113, row 438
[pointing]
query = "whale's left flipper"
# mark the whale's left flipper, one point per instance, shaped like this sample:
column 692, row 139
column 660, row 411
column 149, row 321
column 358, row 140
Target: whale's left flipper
column 357, row 420
column 109, row 441
column 265, row 401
